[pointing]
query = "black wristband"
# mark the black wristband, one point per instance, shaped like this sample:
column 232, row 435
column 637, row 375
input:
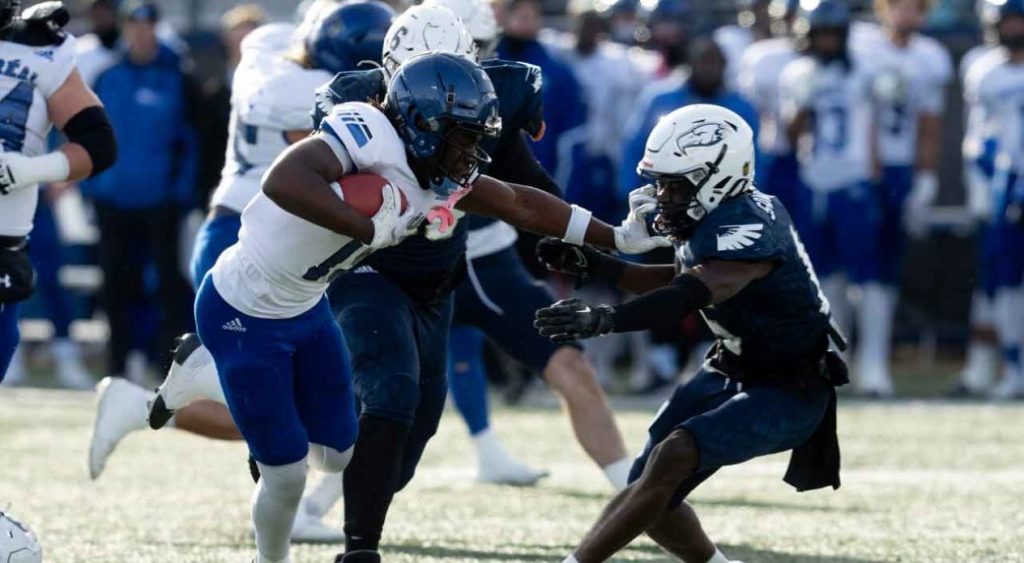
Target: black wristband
column 662, row 307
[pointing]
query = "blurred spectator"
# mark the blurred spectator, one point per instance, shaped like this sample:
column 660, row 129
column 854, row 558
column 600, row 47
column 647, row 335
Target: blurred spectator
column 668, row 28
column 705, row 84
column 623, row 21
column 563, row 103
column 98, row 50
column 753, row 24
column 139, row 202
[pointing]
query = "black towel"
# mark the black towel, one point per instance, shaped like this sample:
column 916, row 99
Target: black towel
column 815, row 463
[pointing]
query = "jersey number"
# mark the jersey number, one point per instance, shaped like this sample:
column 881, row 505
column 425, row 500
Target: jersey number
column 345, row 257
column 831, row 130
column 897, row 119
column 14, row 108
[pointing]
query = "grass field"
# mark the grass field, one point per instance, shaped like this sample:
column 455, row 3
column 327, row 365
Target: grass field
column 923, row 482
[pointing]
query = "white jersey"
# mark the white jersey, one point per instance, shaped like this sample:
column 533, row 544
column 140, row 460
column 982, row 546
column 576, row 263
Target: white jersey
column 996, row 87
column 973, row 114
column 282, row 264
column 758, row 78
column 29, row 76
column 907, row 82
column 270, row 95
column 836, row 152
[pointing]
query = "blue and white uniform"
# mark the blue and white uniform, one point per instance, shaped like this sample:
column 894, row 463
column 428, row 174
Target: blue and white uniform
column 758, row 80
column 907, row 83
column 270, row 96
column 761, row 391
column 838, row 215
column 32, row 72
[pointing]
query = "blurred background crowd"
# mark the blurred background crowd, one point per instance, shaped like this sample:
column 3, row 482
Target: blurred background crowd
column 111, row 253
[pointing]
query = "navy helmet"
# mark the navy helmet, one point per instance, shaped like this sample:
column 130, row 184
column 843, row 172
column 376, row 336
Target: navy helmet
column 820, row 15
column 993, row 12
column 349, row 34
column 8, row 12
column 434, row 98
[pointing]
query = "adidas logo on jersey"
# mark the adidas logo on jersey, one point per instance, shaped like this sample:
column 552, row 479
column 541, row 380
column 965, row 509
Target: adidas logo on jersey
column 234, row 325
column 736, row 237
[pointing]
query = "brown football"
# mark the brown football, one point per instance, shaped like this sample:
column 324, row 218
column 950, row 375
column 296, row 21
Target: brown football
column 362, row 192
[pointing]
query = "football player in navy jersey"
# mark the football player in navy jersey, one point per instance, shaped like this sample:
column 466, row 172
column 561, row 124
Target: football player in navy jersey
column 767, row 385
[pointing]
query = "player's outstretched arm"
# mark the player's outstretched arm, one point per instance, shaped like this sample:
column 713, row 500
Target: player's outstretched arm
column 534, row 210
column 713, row 282
column 299, row 182
column 91, row 146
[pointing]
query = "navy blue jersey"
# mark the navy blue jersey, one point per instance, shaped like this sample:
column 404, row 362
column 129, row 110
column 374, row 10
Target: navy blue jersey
column 781, row 316
column 418, row 264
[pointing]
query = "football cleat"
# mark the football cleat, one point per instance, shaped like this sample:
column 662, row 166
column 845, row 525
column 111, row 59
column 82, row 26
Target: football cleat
column 192, row 376
column 1010, row 388
column 309, row 528
column 121, row 409
column 361, row 556
column 509, row 472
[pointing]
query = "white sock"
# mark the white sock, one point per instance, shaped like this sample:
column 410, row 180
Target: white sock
column 570, row 559
column 718, row 557
column 322, row 497
column 980, row 368
column 875, row 317
column 274, row 503
column 617, row 473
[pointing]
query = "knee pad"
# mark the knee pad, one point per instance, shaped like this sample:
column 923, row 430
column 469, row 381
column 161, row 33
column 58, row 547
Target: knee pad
column 284, row 481
column 329, row 460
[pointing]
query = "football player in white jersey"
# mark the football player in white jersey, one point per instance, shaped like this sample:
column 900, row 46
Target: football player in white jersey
column 827, row 112
column 753, row 25
column 39, row 89
column 267, row 116
column 995, row 84
column 758, row 79
column 909, row 74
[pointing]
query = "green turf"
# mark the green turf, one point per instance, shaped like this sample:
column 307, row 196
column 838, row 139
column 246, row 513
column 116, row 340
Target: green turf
column 923, row 483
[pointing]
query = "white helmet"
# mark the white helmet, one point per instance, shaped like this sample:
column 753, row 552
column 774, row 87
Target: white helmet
column 422, row 29
column 478, row 15
column 309, row 13
column 704, row 151
column 17, row 542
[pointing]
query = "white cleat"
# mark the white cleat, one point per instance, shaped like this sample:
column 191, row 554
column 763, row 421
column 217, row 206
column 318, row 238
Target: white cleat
column 121, row 408
column 192, row 376
column 509, row 472
column 309, row 528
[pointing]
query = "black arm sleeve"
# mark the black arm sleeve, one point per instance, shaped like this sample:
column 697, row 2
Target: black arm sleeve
column 663, row 307
column 91, row 129
column 515, row 163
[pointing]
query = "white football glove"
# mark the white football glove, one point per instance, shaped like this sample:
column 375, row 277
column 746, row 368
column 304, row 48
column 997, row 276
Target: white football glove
column 917, row 208
column 18, row 171
column 390, row 225
column 632, row 236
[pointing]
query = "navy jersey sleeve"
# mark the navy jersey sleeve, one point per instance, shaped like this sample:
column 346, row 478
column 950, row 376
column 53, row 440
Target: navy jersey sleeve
column 350, row 86
column 518, row 86
column 749, row 228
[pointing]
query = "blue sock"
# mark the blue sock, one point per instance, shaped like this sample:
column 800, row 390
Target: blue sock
column 467, row 382
column 1011, row 355
column 9, row 336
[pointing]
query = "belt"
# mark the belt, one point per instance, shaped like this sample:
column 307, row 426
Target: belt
column 13, row 243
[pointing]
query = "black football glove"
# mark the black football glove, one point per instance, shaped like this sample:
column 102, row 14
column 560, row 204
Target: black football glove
column 569, row 320
column 566, row 258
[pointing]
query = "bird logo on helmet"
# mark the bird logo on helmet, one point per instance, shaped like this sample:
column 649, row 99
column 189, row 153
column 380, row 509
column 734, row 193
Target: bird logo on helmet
column 425, row 28
column 8, row 12
column 442, row 104
column 697, row 157
column 349, row 34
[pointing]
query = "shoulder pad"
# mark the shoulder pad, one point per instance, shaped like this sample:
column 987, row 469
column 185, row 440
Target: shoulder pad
column 752, row 227
column 40, row 25
column 349, row 86
column 366, row 133
column 519, row 87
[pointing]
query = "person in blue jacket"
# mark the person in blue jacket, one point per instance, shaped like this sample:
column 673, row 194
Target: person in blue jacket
column 139, row 202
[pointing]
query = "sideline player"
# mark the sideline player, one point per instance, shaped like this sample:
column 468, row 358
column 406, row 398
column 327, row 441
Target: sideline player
column 909, row 74
column 765, row 387
column 828, row 116
column 995, row 85
column 40, row 88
